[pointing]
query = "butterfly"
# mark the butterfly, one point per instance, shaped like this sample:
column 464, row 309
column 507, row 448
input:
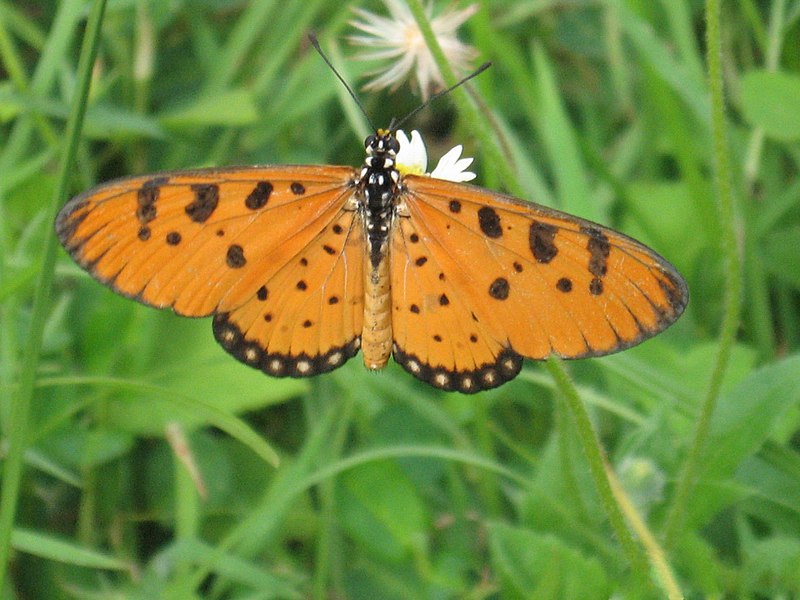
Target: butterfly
column 302, row 266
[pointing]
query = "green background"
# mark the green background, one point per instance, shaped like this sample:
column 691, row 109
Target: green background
column 387, row 488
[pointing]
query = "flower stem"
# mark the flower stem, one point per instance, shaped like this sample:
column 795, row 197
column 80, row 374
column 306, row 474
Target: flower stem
column 733, row 281
column 597, row 466
column 466, row 108
column 656, row 553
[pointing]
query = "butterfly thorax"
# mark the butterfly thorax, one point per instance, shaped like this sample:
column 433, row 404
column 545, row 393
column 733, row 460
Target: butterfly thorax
column 378, row 189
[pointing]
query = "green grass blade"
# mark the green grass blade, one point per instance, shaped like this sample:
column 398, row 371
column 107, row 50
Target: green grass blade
column 21, row 401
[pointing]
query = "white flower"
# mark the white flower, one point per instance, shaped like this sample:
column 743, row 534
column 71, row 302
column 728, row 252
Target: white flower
column 412, row 159
column 399, row 39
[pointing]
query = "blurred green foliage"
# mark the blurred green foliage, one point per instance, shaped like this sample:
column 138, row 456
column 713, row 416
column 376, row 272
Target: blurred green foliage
column 386, row 487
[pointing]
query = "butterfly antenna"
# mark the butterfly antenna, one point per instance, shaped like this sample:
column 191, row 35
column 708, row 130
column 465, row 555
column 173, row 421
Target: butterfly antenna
column 314, row 42
column 396, row 125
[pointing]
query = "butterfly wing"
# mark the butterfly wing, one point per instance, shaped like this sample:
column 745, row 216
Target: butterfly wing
column 480, row 280
column 275, row 253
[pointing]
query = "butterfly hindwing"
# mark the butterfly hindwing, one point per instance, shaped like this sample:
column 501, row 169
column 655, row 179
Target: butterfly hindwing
column 538, row 281
column 438, row 337
column 307, row 317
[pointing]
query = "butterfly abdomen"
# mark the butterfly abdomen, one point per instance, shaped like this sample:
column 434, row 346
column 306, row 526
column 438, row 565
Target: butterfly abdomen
column 376, row 336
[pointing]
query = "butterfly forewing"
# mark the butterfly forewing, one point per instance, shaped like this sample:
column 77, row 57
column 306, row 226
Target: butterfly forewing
column 542, row 282
column 197, row 241
column 273, row 252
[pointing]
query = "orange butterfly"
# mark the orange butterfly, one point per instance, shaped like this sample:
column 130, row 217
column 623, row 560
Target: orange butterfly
column 301, row 266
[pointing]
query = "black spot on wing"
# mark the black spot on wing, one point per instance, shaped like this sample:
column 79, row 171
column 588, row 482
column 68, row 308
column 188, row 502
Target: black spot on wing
column 235, row 257
column 564, row 285
column 146, row 197
column 489, row 222
column 259, row 197
column 298, row 189
column 541, row 240
column 596, row 286
column 206, row 199
column 599, row 249
column 499, row 288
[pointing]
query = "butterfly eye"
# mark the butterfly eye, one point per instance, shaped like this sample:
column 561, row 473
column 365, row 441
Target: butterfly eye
column 370, row 142
column 393, row 144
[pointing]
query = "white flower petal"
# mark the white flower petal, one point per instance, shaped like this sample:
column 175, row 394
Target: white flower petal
column 453, row 168
column 412, row 158
column 399, row 11
column 388, row 52
column 391, row 78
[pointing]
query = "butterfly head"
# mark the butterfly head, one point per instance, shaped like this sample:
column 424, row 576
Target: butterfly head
column 382, row 148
